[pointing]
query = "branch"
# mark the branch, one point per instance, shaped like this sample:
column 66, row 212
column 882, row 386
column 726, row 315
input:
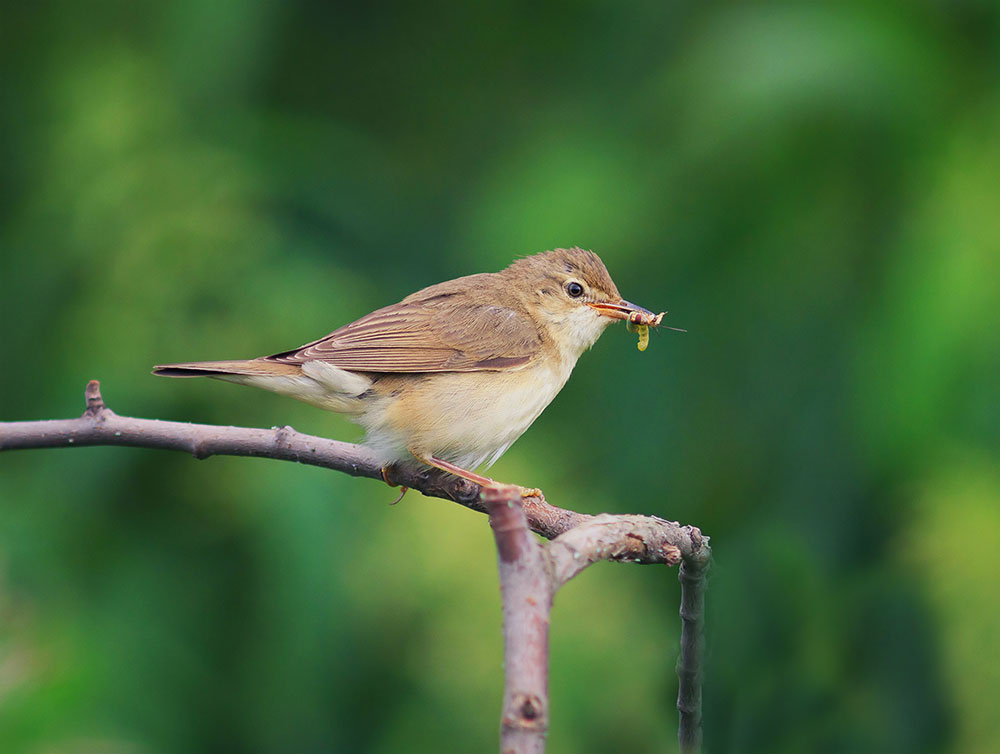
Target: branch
column 530, row 571
column 526, row 588
column 99, row 425
column 608, row 537
column 693, row 577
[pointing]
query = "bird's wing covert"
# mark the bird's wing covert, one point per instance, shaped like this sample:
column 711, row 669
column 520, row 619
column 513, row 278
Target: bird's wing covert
column 431, row 334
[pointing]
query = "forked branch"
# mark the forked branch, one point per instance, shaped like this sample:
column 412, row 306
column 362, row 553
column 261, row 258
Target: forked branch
column 530, row 571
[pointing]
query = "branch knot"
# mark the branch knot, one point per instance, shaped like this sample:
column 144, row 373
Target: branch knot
column 95, row 403
column 527, row 712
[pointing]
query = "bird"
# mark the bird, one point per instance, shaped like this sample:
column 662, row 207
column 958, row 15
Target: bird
column 453, row 374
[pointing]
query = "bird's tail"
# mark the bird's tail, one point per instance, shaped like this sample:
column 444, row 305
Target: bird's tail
column 222, row 369
column 314, row 382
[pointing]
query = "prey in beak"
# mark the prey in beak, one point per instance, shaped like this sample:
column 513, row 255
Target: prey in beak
column 638, row 319
column 636, row 315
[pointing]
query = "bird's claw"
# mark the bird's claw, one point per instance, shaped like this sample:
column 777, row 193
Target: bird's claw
column 388, row 480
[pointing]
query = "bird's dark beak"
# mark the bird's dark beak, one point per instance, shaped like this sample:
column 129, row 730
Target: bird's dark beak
column 624, row 310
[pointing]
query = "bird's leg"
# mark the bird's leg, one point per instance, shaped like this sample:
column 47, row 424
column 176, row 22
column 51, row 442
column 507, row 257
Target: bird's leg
column 388, row 480
column 439, row 463
column 482, row 481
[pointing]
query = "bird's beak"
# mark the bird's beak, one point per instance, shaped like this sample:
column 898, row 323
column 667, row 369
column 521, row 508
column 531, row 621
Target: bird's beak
column 624, row 310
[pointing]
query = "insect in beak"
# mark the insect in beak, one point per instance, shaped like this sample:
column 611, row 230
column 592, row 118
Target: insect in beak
column 637, row 319
column 635, row 314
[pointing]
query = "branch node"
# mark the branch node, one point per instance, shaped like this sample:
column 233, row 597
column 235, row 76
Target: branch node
column 527, row 712
column 95, row 403
column 199, row 451
column 284, row 438
column 696, row 537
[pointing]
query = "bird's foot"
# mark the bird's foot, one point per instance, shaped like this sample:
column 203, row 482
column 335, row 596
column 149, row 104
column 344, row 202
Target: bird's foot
column 388, row 480
column 483, row 481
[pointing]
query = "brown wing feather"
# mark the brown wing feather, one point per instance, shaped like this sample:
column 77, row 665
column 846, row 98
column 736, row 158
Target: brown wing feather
column 438, row 329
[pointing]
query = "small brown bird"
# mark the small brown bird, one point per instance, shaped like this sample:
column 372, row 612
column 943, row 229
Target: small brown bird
column 453, row 374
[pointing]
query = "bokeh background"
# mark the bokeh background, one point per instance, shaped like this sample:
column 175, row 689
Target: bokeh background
column 812, row 191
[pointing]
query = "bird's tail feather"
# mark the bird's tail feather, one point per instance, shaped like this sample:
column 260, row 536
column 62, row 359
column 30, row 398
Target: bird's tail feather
column 246, row 367
column 315, row 382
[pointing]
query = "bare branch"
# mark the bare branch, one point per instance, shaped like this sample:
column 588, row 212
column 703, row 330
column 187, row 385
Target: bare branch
column 607, row 537
column 625, row 538
column 526, row 587
column 100, row 425
column 693, row 575
column 530, row 572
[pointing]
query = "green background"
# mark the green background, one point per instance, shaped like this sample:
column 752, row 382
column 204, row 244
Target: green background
column 812, row 191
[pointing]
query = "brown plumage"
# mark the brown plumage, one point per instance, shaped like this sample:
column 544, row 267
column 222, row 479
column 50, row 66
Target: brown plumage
column 439, row 329
column 454, row 372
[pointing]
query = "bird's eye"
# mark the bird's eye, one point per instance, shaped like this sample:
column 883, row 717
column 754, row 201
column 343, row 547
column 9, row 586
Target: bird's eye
column 574, row 289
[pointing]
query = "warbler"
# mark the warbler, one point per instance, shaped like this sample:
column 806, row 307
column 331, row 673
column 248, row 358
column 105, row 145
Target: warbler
column 453, row 374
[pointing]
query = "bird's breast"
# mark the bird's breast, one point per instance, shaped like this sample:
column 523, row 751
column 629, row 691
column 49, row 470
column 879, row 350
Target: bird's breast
column 468, row 418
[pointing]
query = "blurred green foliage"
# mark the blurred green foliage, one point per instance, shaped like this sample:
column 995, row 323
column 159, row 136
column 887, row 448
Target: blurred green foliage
column 811, row 190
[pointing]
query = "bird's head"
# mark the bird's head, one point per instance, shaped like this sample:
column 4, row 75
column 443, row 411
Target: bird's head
column 570, row 294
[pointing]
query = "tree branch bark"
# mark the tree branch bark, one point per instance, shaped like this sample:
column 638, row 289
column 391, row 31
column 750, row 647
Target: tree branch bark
column 526, row 589
column 693, row 575
column 99, row 425
column 530, row 571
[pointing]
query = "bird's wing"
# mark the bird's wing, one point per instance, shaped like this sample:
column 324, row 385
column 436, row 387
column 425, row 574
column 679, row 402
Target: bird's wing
column 433, row 333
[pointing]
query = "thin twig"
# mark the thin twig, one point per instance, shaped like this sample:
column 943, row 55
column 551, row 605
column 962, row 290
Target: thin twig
column 693, row 577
